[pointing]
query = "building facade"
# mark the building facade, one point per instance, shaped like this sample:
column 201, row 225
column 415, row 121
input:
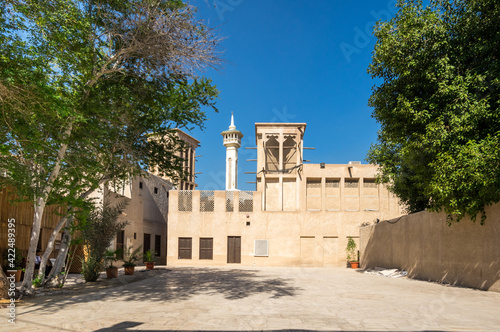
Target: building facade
column 299, row 215
column 146, row 199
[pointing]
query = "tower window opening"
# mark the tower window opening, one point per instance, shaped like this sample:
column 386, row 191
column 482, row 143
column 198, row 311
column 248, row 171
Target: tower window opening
column 272, row 152
column 289, row 151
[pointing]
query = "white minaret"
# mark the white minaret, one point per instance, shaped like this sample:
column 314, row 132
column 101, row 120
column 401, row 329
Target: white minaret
column 232, row 141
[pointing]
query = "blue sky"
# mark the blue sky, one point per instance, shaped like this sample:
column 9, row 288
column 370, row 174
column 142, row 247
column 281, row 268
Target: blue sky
column 291, row 61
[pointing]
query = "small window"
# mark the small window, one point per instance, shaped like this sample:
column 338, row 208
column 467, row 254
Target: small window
column 185, row 245
column 141, row 185
column 156, row 190
column 206, row 248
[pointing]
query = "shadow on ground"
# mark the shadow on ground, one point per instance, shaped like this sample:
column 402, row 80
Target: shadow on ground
column 179, row 284
column 124, row 326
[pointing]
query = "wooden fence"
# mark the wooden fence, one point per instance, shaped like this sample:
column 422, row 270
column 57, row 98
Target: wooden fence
column 22, row 213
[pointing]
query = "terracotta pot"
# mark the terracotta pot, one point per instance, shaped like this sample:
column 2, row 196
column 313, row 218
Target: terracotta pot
column 111, row 272
column 150, row 265
column 129, row 270
column 354, row 265
column 15, row 273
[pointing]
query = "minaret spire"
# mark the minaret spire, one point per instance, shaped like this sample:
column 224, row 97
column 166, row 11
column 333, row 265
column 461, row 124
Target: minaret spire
column 232, row 126
column 232, row 141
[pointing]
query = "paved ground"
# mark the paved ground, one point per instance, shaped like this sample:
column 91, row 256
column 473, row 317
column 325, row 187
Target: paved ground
column 185, row 299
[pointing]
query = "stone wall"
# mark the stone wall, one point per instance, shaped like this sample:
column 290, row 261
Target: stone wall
column 295, row 238
column 465, row 253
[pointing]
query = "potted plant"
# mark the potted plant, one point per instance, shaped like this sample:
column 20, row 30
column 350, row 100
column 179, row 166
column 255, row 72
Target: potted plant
column 129, row 259
column 14, row 263
column 150, row 259
column 351, row 253
column 111, row 271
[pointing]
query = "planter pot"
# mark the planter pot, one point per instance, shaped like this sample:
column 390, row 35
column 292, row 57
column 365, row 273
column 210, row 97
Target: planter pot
column 15, row 273
column 129, row 270
column 354, row 265
column 150, row 265
column 111, row 272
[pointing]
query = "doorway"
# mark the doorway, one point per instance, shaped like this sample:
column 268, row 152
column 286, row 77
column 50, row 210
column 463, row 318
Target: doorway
column 234, row 249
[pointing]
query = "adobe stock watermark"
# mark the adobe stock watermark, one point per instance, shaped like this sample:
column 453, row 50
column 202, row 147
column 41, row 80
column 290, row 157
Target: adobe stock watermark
column 363, row 36
column 218, row 181
column 224, row 6
column 427, row 316
column 11, row 263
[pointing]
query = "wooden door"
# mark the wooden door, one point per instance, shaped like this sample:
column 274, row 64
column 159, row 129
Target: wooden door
column 234, row 249
column 146, row 245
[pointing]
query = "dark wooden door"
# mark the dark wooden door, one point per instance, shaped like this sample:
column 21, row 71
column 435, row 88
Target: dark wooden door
column 120, row 239
column 234, row 249
column 146, row 245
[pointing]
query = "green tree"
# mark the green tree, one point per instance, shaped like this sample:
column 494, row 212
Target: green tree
column 438, row 105
column 90, row 92
column 97, row 232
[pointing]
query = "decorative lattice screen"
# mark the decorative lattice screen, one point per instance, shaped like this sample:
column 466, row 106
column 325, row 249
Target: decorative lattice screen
column 351, row 183
column 229, row 201
column 313, row 183
column 261, row 248
column 332, row 183
column 206, row 201
column 185, row 203
column 369, row 183
column 246, row 201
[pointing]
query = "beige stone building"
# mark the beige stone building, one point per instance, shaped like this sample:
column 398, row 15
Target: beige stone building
column 147, row 204
column 299, row 215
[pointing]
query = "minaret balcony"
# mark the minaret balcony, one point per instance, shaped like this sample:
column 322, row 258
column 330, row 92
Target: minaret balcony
column 232, row 140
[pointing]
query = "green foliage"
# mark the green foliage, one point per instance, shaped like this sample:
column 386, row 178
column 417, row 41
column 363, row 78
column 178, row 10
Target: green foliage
column 130, row 257
column 111, row 79
column 111, row 256
column 91, row 91
column 91, row 269
column 37, row 282
column 149, row 256
column 438, row 105
column 97, row 232
column 351, row 250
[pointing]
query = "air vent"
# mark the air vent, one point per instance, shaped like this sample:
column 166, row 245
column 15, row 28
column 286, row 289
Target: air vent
column 262, row 248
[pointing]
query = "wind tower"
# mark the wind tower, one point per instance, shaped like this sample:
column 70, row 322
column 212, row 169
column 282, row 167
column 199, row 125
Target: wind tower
column 232, row 141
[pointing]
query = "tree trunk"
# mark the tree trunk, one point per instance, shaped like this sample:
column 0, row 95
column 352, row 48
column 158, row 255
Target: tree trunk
column 27, row 287
column 66, row 220
column 50, row 246
column 61, row 258
column 4, row 285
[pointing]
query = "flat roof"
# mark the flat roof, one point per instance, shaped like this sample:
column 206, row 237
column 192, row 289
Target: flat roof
column 186, row 134
column 281, row 124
